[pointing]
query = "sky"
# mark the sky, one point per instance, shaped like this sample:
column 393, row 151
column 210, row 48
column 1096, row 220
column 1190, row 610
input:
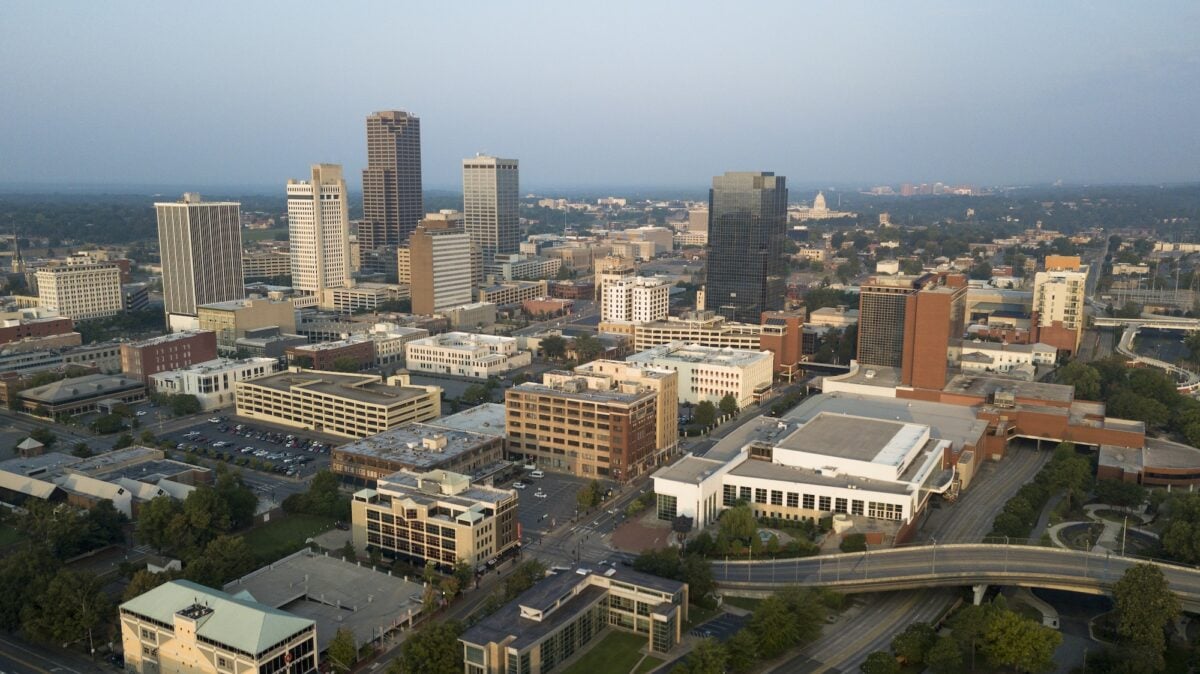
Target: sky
column 598, row 94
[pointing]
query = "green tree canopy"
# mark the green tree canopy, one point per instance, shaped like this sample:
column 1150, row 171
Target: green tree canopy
column 554, row 347
column 880, row 662
column 1145, row 606
column 738, row 523
column 705, row 413
column 342, row 651
column 915, row 642
column 72, row 607
column 1012, row 640
column 944, row 657
column 708, row 657
column 728, row 405
column 433, row 649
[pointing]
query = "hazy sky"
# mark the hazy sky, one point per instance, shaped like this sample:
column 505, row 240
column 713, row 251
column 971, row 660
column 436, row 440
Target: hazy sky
column 604, row 93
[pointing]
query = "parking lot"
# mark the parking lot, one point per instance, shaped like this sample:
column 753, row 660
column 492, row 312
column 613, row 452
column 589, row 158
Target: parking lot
column 721, row 627
column 539, row 514
column 252, row 445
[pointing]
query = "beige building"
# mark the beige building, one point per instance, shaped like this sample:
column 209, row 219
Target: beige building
column 439, row 261
column 708, row 373
column 349, row 405
column 81, row 292
column 318, row 230
column 465, row 354
column 362, row 296
column 435, row 516
column 513, row 292
column 703, row 328
column 635, row 299
column 181, row 627
column 490, row 210
column 200, row 244
column 616, row 375
column 233, row 319
column 1059, row 293
column 266, row 264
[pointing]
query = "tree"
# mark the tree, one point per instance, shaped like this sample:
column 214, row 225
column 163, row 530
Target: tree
column 348, row 552
column 154, row 519
column 433, row 649
column 880, row 662
column 1012, row 640
column 207, row 513
column 1145, row 606
column 184, row 404
column 914, row 643
column 554, row 347
column 464, row 573
column 81, row 450
column 123, row 441
column 944, row 657
column 346, row 364
column 1084, row 377
column 239, row 497
column 523, row 577
column 853, row 543
column 44, row 435
column 108, row 424
column 705, row 413
column 224, row 559
column 1181, row 537
column 24, row 576
column 585, row 497
column 708, row 657
column 1120, row 493
column 73, row 606
column 742, row 650
column 587, row 348
column 774, row 627
column 728, row 405
column 143, row 581
column 342, row 651
column 475, row 394
column 738, row 523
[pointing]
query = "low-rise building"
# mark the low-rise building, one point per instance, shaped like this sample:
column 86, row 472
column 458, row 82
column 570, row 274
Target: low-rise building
column 476, row 316
column 346, row 355
column 181, row 626
column 708, row 373
column 349, row 405
column 561, row 615
column 212, row 382
column 18, row 328
column 363, row 296
column 80, row 395
column 234, row 319
column 997, row 357
column 418, row 447
column 513, row 292
column 779, row 332
column 168, row 352
column 436, row 516
column 516, row 267
column 266, row 264
column 838, row 318
column 465, row 354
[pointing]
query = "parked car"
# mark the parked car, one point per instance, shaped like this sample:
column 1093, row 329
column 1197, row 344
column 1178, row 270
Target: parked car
column 537, row 474
column 518, row 485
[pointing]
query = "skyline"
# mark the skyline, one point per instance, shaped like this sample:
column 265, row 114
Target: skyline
column 1013, row 94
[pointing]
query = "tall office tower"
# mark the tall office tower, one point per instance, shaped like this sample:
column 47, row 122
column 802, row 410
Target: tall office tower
column 392, row 200
column 1059, row 293
column 490, row 212
column 318, row 225
column 200, row 244
column 440, row 260
column 914, row 324
column 747, row 272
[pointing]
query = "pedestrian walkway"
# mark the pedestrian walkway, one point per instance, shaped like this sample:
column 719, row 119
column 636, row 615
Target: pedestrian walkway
column 1109, row 539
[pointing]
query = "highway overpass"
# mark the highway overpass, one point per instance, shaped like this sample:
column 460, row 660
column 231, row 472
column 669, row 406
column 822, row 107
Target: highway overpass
column 1158, row 323
column 958, row 565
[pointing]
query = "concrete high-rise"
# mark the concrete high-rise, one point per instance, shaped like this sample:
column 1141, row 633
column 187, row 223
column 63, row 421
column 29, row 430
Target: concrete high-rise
column 914, row 324
column 318, row 227
column 1058, row 314
column 392, row 199
column 490, row 211
column 747, row 272
column 200, row 245
column 439, row 257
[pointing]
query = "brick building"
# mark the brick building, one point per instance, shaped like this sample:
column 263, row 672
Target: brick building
column 169, row 352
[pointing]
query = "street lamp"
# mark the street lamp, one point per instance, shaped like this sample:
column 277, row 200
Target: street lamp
column 933, row 564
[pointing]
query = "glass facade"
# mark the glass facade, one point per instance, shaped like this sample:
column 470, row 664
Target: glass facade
column 747, row 271
column 881, row 325
column 667, row 507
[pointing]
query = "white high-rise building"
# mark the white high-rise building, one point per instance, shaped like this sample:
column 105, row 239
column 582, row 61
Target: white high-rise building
column 318, row 227
column 200, row 244
column 635, row 299
column 81, row 291
column 490, row 212
column 1058, row 309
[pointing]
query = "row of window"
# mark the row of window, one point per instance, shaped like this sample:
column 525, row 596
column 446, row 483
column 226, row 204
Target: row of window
column 731, row 494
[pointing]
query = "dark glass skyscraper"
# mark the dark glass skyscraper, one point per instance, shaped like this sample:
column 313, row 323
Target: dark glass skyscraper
column 392, row 199
column 747, row 272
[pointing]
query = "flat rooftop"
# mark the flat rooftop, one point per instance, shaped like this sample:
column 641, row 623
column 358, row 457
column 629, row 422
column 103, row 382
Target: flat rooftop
column 692, row 469
column 362, row 388
column 1158, row 453
column 50, row 462
column 107, row 460
column 694, row 353
column 419, row 446
column 956, row 423
column 407, row 485
column 487, row 419
column 974, row 385
column 855, row 438
column 583, row 394
column 167, row 338
column 332, row 593
column 764, row 470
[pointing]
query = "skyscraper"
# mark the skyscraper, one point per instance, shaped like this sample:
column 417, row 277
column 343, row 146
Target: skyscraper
column 392, row 200
column 747, row 227
column 440, row 259
column 200, row 244
column 490, row 213
column 318, row 227
column 914, row 324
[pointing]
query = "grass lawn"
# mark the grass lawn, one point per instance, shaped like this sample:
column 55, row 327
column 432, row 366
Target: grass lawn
column 285, row 535
column 743, row 602
column 697, row 615
column 617, row 653
column 9, row 535
column 648, row 665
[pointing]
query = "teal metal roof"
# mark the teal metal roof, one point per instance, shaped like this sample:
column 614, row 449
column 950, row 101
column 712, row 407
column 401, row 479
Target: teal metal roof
column 240, row 624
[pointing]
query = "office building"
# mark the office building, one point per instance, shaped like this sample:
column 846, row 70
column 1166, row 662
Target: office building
column 346, row 355
column 28, row 326
column 232, row 320
column 81, row 395
column 465, row 354
column 562, row 614
column 490, row 209
column 435, row 516
column 747, row 271
column 439, row 258
column 473, row 316
column 698, row 220
column 1059, row 293
column 392, row 198
column 707, row 373
column 181, row 626
column 345, row 404
column 881, row 305
column 200, row 244
column 81, row 292
column 363, row 296
column 420, row 448
column 632, row 300
column 318, row 224
column 168, row 352
column 269, row 264
column 516, row 267
column 211, row 382
column 513, row 292
column 914, row 324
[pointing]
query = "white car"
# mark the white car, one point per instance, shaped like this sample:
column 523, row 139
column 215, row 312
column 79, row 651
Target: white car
column 518, row 485
column 141, row 413
column 537, row 474
column 540, row 494
column 214, row 420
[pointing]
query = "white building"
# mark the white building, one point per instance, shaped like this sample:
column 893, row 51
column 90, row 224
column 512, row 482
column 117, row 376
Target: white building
column 200, row 244
column 212, row 382
column 465, row 354
column 517, row 267
column 994, row 357
column 635, row 299
column 833, row 463
column 832, row 317
column 1058, row 301
column 81, row 292
column 490, row 212
column 709, row 373
column 318, row 230
column 887, row 267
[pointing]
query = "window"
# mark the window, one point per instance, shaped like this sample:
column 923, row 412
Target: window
column 744, row 494
column 776, row 497
column 856, row 507
column 826, row 503
column 839, row 505
column 793, row 500
column 810, row 502
column 729, row 497
column 667, row 507
column 760, row 495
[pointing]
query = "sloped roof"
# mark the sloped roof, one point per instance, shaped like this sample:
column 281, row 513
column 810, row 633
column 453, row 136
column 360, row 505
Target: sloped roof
column 242, row 624
column 26, row 485
column 176, row 490
column 140, row 490
column 29, row 443
column 82, row 484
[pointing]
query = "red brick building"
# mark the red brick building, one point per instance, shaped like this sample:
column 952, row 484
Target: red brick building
column 324, row 355
column 16, row 330
column 169, row 352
